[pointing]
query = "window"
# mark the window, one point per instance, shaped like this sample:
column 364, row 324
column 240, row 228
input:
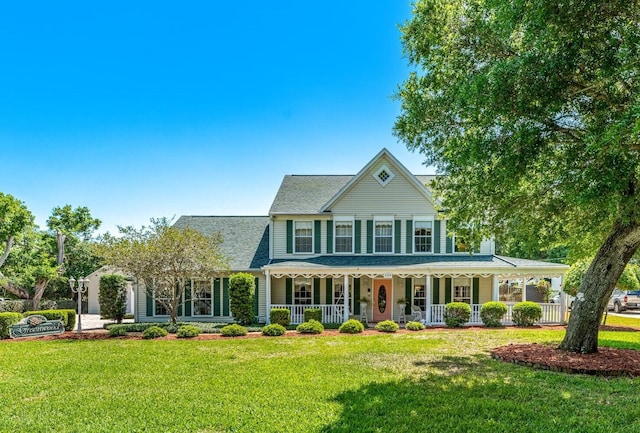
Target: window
column 201, row 298
column 338, row 295
column 422, row 237
column 420, row 296
column 383, row 175
column 160, row 308
column 383, row 237
column 161, row 299
column 303, row 293
column 462, row 290
column 344, row 236
column 303, row 236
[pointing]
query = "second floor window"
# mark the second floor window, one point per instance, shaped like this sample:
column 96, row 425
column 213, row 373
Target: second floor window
column 422, row 237
column 303, row 236
column 344, row 236
column 384, row 237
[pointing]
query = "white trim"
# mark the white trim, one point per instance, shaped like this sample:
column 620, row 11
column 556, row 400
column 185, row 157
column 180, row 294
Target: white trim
column 312, row 222
column 350, row 219
column 430, row 219
column 390, row 219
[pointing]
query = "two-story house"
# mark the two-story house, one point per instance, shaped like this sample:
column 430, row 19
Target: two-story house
column 331, row 241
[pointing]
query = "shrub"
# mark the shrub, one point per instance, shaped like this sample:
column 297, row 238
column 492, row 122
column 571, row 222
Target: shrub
column 113, row 297
column 67, row 317
column 118, row 331
column 310, row 327
column 492, row 312
column 456, row 314
column 14, row 305
column 154, row 332
column 414, row 326
column 6, row 320
column 281, row 316
column 313, row 314
column 241, row 289
column 526, row 313
column 351, row 326
column 188, row 331
column 387, row 326
column 273, row 330
column 234, row 330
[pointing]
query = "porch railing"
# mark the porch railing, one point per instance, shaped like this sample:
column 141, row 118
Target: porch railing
column 551, row 313
column 330, row 313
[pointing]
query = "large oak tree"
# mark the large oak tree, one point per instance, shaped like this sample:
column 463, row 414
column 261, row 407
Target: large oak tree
column 531, row 110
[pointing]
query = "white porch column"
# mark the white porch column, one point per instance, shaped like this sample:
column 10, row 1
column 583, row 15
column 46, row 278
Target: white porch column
column 427, row 285
column 524, row 289
column 346, row 298
column 267, row 274
column 495, row 296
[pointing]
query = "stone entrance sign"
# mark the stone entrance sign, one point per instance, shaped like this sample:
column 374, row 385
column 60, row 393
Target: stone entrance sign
column 36, row 326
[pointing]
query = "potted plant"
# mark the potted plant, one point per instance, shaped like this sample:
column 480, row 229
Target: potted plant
column 363, row 301
column 402, row 303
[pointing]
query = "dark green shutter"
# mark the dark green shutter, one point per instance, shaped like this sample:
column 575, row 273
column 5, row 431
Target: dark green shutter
column 447, row 290
column 328, row 286
column 256, row 299
column 476, row 291
column 150, row 309
column 409, row 237
column 289, row 236
column 435, row 289
column 288, row 291
column 449, row 245
column 225, row 297
column 329, row 237
column 356, row 296
column 187, row 298
column 397, row 239
column 369, row 236
column 317, row 238
column 408, row 288
column 436, row 236
column 358, row 237
column 316, row 291
column 216, row 297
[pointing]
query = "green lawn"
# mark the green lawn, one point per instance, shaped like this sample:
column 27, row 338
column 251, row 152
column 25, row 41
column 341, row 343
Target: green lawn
column 433, row 381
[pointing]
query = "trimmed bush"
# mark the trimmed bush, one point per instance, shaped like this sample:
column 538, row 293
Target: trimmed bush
column 234, row 330
column 188, row 331
column 113, row 297
column 491, row 313
column 154, row 332
column 526, row 313
column 351, row 326
column 281, row 316
column 6, row 320
column 313, row 314
column 68, row 317
column 414, row 326
column 241, row 289
column 14, row 306
column 310, row 327
column 118, row 331
column 387, row 326
column 456, row 314
column 274, row 330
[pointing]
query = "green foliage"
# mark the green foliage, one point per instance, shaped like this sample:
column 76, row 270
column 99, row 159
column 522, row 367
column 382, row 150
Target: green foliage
column 544, row 288
column 387, row 326
column 234, row 330
column 67, row 317
column 117, row 331
column 313, row 314
column 576, row 273
column 310, row 327
column 241, row 289
column 14, row 305
column 281, row 316
column 414, row 326
column 6, row 320
column 154, row 332
column 492, row 313
column 188, row 331
column 351, row 326
column 113, row 296
column 456, row 314
column 274, row 330
column 526, row 313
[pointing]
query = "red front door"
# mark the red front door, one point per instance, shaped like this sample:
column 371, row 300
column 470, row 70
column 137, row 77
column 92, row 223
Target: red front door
column 382, row 300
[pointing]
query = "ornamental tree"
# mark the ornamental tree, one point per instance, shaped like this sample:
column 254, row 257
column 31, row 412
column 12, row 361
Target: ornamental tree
column 530, row 110
column 241, row 289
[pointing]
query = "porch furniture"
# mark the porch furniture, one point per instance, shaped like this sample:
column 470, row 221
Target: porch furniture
column 417, row 314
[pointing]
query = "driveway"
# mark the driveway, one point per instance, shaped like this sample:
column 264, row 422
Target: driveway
column 93, row 322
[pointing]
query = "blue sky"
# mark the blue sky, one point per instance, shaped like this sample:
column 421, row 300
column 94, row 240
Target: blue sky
column 150, row 109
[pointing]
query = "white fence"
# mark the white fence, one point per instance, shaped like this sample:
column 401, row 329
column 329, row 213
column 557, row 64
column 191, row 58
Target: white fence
column 330, row 313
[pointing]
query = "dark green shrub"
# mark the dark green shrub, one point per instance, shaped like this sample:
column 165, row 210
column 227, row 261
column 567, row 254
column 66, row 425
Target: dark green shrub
column 241, row 288
column 281, row 316
column 332, row 325
column 414, row 326
column 526, row 313
column 117, row 331
column 492, row 313
column 113, row 297
column 310, row 327
column 273, row 330
column 6, row 320
column 67, row 317
column 351, row 326
column 234, row 330
column 456, row 314
column 313, row 314
column 14, row 306
column 188, row 331
column 387, row 326
column 154, row 332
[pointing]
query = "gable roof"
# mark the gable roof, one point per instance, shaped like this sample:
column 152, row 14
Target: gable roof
column 306, row 194
column 246, row 238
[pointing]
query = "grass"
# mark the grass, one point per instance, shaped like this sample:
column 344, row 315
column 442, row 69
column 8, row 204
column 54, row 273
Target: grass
column 422, row 381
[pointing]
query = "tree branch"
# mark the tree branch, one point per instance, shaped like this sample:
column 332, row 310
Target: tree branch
column 6, row 250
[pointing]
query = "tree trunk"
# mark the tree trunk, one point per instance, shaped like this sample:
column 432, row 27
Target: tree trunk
column 596, row 288
column 12, row 288
column 38, row 292
column 7, row 249
column 60, row 238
